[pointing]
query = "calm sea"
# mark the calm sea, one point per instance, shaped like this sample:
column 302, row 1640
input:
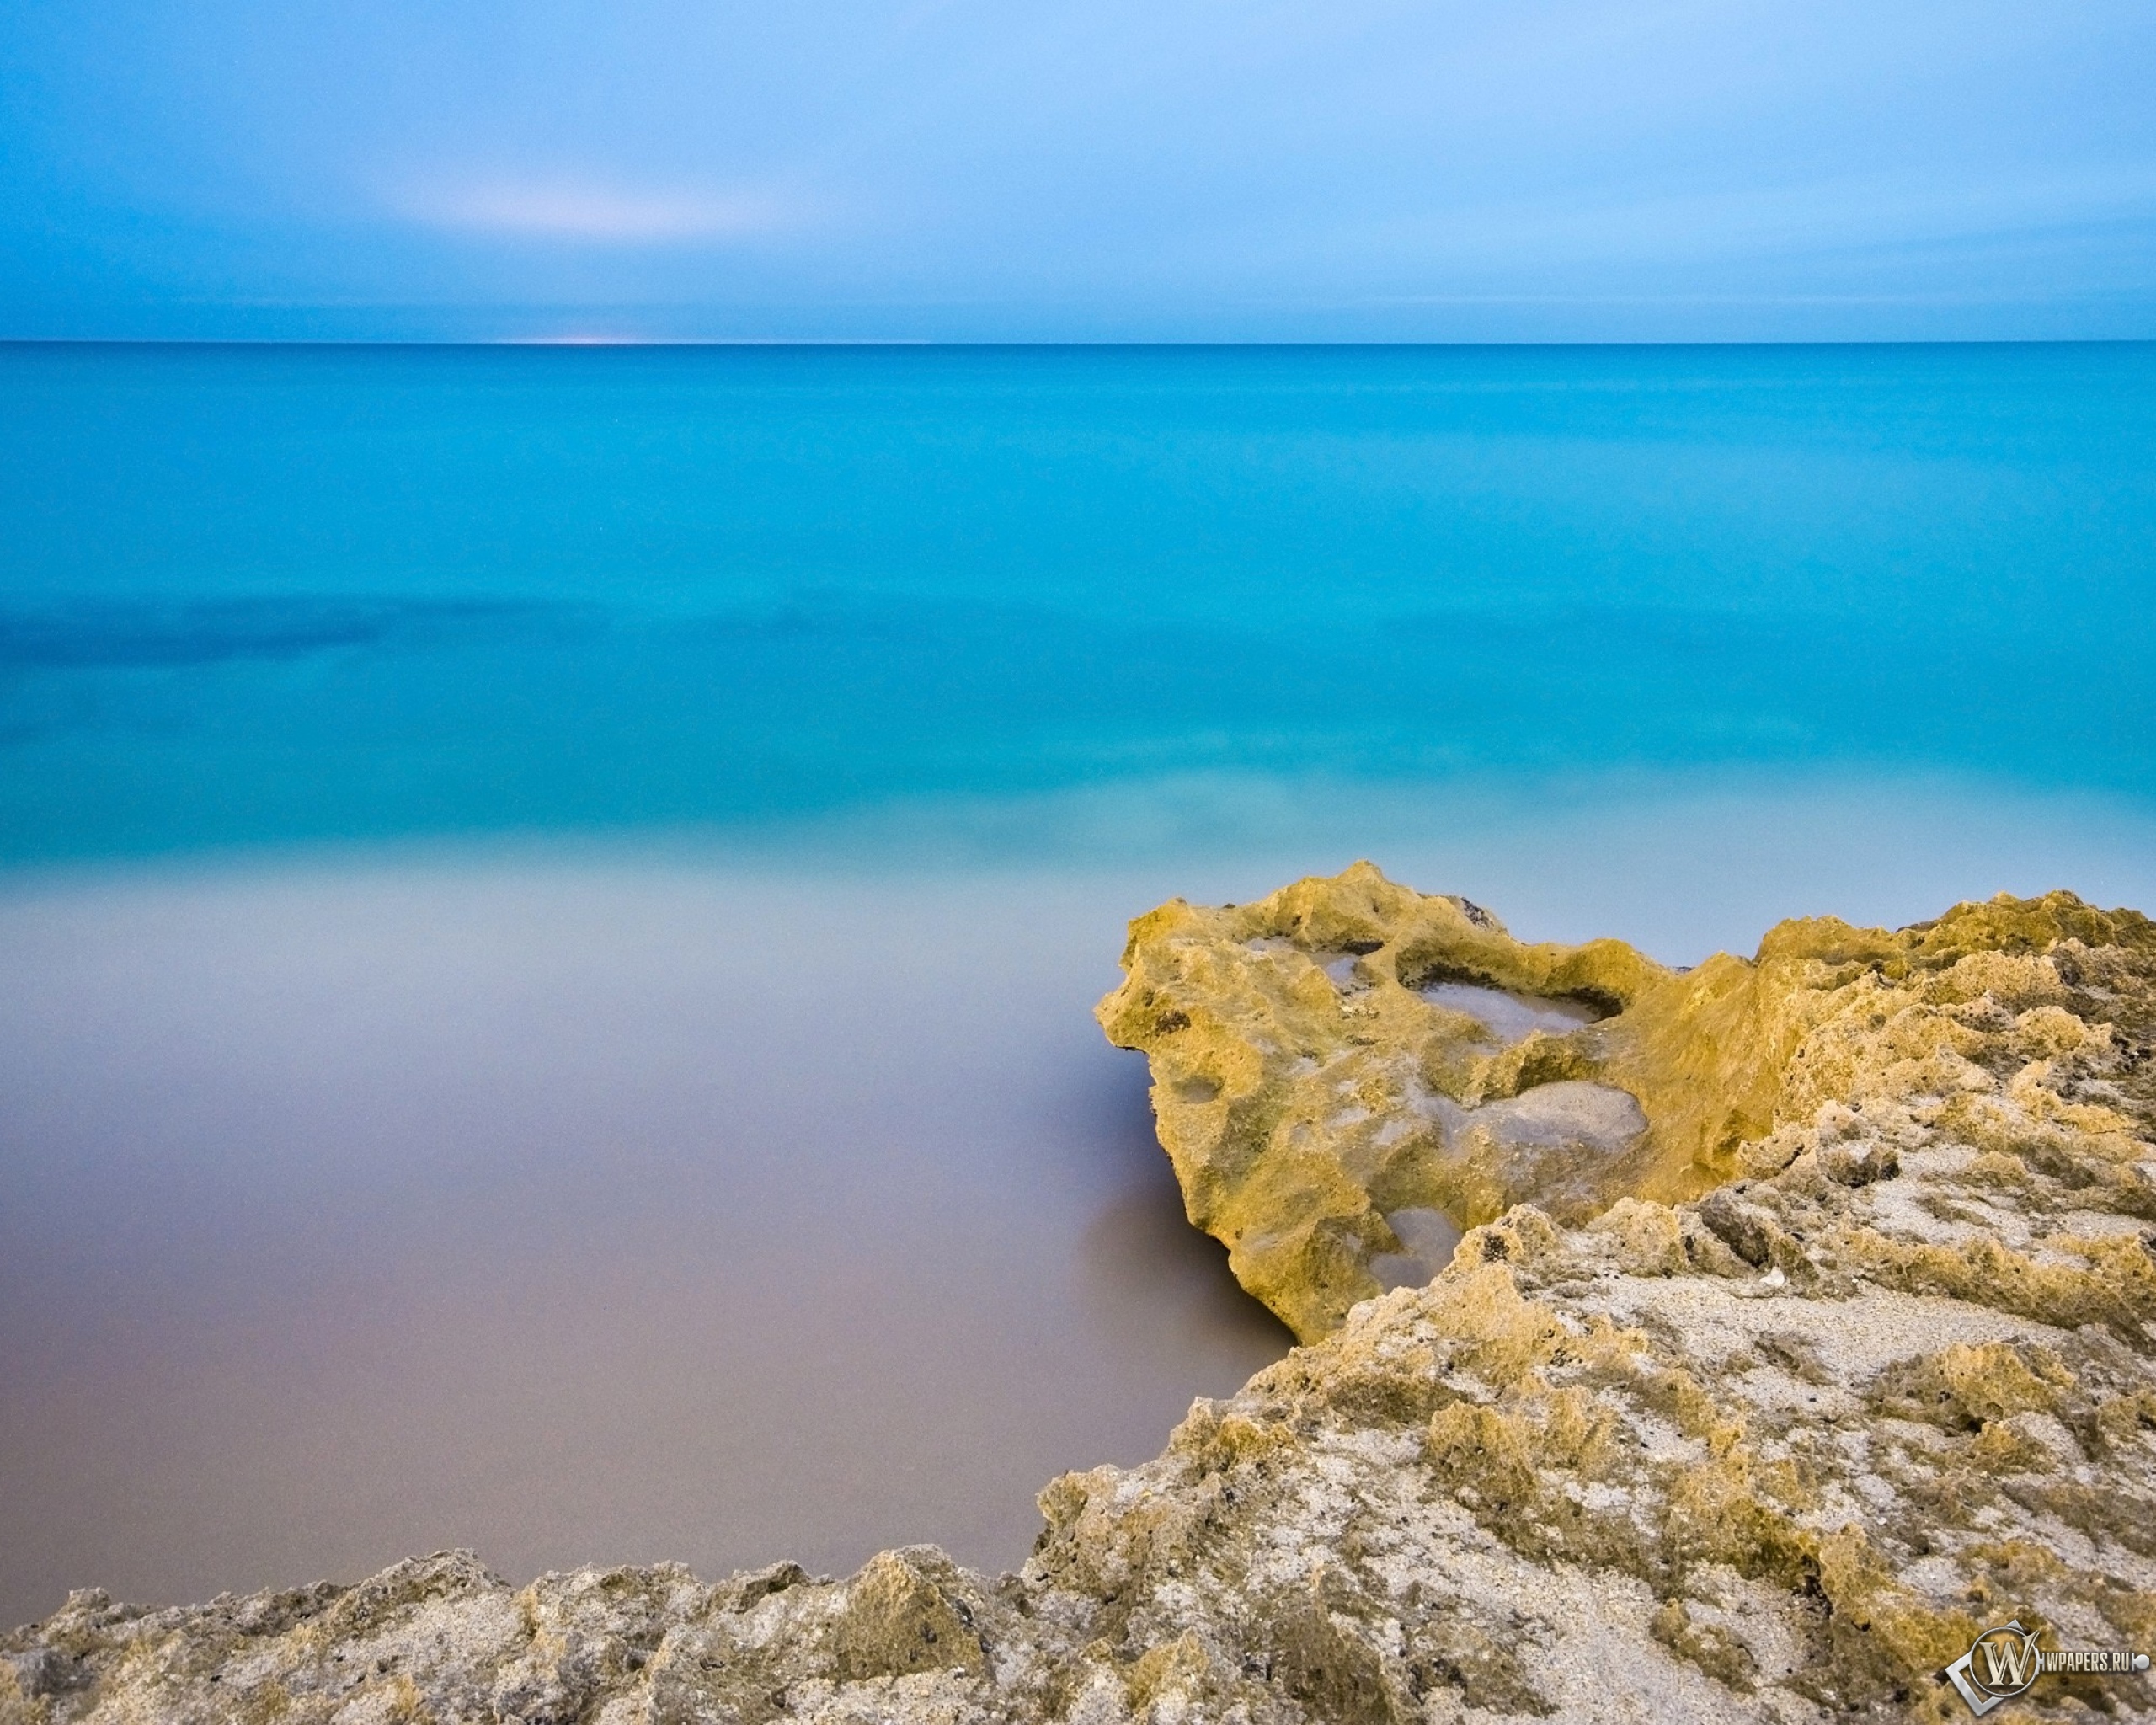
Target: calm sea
column 550, row 898
column 261, row 594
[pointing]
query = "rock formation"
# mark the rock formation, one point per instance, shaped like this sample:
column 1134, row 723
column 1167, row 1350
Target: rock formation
column 1804, row 1327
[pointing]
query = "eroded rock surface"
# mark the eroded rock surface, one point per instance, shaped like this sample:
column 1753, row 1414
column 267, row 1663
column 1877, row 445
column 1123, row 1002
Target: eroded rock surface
column 1348, row 1051
column 1775, row 1451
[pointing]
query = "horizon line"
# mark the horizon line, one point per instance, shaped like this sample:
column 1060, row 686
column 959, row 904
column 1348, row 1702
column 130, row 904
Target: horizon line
column 573, row 342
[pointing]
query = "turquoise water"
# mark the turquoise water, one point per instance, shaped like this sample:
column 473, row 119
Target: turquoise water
column 257, row 595
column 553, row 897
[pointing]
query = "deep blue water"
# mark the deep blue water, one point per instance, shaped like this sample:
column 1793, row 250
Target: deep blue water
column 256, row 594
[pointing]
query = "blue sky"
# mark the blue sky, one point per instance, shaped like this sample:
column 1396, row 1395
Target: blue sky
column 953, row 169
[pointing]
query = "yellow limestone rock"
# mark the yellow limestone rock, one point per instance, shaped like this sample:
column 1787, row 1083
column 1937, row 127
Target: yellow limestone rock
column 1778, row 1451
column 1348, row 1072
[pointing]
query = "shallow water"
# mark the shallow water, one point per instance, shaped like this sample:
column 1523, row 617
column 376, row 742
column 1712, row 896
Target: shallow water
column 1509, row 1015
column 662, row 1118
column 651, row 1204
column 575, row 1212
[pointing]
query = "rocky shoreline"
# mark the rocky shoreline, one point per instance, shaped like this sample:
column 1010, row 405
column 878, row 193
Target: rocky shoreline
column 1804, row 1328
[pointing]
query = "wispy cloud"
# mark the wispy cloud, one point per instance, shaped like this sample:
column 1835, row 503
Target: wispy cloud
column 594, row 213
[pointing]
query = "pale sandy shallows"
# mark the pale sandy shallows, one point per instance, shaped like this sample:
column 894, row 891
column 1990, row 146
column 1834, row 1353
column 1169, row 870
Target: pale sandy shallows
column 1869, row 1368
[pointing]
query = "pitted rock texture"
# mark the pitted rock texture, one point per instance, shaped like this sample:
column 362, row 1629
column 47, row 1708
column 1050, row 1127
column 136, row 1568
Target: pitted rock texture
column 1348, row 1055
column 1776, row 1453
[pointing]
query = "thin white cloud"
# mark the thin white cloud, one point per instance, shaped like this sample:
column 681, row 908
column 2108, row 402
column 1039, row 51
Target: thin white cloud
column 595, row 213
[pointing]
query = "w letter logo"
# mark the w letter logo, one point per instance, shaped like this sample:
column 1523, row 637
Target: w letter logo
column 2002, row 1663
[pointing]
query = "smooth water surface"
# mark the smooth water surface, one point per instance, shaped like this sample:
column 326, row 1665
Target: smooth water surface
column 551, row 900
column 629, row 1205
column 588, row 1212
column 251, row 593
column 1509, row 1016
